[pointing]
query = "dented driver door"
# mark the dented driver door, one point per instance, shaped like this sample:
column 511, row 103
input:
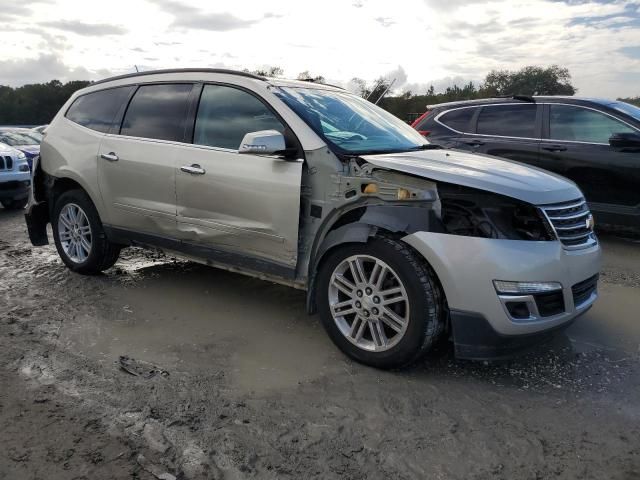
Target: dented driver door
column 241, row 206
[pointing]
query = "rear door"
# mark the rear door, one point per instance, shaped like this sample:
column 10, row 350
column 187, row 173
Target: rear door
column 576, row 145
column 243, row 205
column 510, row 131
column 136, row 170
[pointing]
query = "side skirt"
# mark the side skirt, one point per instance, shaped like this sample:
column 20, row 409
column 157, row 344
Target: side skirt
column 235, row 262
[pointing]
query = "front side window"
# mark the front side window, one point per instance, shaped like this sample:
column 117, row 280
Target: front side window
column 458, row 119
column 97, row 110
column 572, row 123
column 226, row 114
column 508, row 121
column 350, row 124
column 158, row 112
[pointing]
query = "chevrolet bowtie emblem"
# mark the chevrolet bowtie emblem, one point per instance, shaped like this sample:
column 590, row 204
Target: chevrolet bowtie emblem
column 590, row 223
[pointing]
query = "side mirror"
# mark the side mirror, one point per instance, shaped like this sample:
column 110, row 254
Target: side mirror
column 625, row 140
column 264, row 142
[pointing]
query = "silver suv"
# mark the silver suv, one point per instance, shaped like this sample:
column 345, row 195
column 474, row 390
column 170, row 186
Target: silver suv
column 397, row 242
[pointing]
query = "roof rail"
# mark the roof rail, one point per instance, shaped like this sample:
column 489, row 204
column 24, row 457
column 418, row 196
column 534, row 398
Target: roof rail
column 524, row 98
column 181, row 70
column 313, row 80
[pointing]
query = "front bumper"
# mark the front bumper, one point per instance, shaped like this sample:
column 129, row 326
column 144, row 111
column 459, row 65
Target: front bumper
column 467, row 266
column 16, row 187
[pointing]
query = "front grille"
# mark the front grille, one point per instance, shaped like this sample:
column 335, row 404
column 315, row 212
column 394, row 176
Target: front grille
column 582, row 291
column 572, row 223
column 8, row 162
column 549, row 304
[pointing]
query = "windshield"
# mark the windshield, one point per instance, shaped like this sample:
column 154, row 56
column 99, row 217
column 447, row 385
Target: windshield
column 627, row 108
column 14, row 139
column 349, row 123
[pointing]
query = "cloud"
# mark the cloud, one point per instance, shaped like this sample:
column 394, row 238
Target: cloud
column 86, row 29
column 188, row 16
column 384, row 21
column 631, row 52
column 43, row 69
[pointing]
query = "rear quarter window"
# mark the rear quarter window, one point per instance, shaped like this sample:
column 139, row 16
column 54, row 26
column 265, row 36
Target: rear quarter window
column 98, row 110
column 459, row 119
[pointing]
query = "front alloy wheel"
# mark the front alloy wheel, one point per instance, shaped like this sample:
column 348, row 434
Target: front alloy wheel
column 380, row 302
column 369, row 303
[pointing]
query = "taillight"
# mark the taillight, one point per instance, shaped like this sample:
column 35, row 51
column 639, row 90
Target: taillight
column 419, row 119
column 424, row 133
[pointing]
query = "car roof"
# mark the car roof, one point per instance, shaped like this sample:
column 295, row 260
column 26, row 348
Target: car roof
column 524, row 99
column 191, row 71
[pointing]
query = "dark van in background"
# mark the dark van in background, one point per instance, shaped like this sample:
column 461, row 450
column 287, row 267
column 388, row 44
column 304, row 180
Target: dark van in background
column 595, row 143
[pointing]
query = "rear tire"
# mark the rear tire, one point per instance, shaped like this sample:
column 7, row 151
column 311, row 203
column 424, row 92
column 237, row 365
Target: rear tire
column 15, row 204
column 78, row 234
column 386, row 323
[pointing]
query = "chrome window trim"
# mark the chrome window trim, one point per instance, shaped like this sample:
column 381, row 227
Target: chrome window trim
column 437, row 120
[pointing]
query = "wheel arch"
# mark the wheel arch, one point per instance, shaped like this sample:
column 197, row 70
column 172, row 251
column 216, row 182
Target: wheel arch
column 70, row 181
column 358, row 224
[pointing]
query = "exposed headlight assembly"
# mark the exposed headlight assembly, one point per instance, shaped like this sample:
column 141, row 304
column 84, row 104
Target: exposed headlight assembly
column 477, row 213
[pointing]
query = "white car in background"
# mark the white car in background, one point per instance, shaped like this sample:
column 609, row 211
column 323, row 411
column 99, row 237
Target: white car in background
column 15, row 178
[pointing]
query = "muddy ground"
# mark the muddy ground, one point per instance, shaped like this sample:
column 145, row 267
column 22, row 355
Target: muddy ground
column 230, row 379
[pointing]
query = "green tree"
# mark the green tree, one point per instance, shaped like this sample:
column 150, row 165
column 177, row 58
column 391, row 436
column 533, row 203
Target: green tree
column 306, row 76
column 532, row 80
column 632, row 100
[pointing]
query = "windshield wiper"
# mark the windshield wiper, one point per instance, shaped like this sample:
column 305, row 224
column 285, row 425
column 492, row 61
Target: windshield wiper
column 427, row 146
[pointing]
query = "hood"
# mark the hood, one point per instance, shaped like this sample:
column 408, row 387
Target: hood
column 484, row 172
column 7, row 150
column 29, row 149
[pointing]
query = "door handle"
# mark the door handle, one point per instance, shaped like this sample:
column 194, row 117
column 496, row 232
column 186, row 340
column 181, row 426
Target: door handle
column 475, row 143
column 111, row 156
column 194, row 169
column 555, row 148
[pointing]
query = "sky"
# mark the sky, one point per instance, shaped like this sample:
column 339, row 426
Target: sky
column 416, row 42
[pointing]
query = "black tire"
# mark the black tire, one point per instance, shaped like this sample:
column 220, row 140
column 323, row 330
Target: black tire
column 15, row 204
column 426, row 311
column 103, row 254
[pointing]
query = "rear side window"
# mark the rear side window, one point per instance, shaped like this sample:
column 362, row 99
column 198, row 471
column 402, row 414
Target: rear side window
column 508, row 120
column 226, row 114
column 458, row 119
column 583, row 125
column 98, row 110
column 157, row 111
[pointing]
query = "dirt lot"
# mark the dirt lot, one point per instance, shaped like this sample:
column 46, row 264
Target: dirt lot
column 236, row 381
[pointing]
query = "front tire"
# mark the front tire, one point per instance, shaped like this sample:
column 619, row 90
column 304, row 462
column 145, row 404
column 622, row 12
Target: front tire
column 380, row 302
column 79, row 236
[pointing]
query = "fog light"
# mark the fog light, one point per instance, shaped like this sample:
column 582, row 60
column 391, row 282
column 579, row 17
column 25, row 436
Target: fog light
column 23, row 168
column 525, row 288
column 518, row 310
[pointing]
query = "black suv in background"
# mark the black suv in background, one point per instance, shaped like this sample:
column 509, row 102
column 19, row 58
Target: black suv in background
column 595, row 143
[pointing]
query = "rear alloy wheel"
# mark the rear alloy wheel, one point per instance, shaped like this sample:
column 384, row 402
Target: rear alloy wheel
column 379, row 302
column 80, row 239
column 75, row 233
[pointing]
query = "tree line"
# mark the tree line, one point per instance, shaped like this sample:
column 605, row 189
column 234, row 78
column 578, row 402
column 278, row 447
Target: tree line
column 37, row 104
